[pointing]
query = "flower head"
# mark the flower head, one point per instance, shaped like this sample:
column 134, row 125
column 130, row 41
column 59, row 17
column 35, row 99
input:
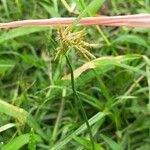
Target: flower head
column 69, row 39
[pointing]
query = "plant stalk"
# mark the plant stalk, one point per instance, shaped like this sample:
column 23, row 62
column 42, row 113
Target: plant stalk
column 80, row 102
column 59, row 116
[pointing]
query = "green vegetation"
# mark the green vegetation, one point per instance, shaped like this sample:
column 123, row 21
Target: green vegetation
column 38, row 107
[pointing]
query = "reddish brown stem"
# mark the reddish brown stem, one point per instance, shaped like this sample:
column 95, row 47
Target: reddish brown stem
column 139, row 20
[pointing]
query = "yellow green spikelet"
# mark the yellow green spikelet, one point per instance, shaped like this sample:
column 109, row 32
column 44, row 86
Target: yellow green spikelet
column 69, row 39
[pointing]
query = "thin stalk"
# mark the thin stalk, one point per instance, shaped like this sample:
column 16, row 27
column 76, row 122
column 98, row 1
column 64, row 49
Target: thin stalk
column 59, row 116
column 103, row 35
column 148, row 80
column 80, row 102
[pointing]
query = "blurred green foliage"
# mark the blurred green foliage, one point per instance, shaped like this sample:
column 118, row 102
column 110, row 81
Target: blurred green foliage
column 116, row 98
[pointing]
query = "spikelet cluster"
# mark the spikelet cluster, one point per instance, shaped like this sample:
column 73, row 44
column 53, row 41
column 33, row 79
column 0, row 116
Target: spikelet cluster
column 69, row 39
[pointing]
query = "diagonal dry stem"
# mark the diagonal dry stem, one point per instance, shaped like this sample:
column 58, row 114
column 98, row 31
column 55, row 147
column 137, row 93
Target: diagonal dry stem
column 137, row 20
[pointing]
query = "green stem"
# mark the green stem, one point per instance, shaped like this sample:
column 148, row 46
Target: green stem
column 103, row 35
column 59, row 116
column 80, row 102
column 103, row 87
column 83, row 5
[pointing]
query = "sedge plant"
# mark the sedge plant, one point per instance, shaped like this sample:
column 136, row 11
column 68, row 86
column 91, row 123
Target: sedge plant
column 69, row 40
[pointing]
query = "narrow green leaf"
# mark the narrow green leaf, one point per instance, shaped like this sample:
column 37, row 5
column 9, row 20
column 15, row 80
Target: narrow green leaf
column 112, row 144
column 87, row 144
column 50, row 9
column 92, row 8
column 103, row 64
column 13, row 33
column 32, row 142
column 21, row 115
column 19, row 141
column 135, row 39
column 7, row 126
column 5, row 7
column 5, row 65
column 83, row 127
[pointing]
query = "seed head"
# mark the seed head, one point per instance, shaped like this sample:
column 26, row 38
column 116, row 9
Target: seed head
column 69, row 39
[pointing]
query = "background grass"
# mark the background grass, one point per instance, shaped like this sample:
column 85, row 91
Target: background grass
column 37, row 107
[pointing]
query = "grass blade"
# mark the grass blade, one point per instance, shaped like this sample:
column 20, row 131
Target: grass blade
column 135, row 39
column 86, row 143
column 92, row 8
column 5, row 65
column 18, row 142
column 21, row 115
column 20, row 32
column 103, row 64
column 7, row 126
column 112, row 144
column 83, row 127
